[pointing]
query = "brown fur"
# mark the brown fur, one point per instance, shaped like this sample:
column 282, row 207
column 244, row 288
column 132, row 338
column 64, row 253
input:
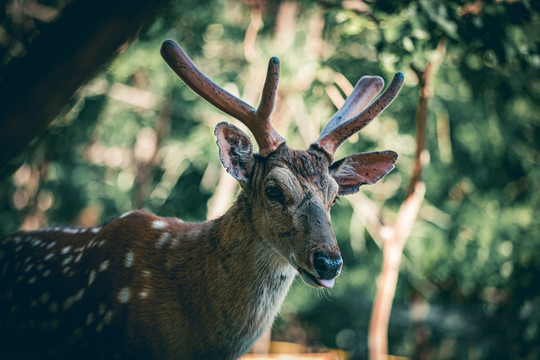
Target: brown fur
column 205, row 291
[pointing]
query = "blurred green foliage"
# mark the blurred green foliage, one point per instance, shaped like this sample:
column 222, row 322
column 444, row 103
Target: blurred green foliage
column 136, row 137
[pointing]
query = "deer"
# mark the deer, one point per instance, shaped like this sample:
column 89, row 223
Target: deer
column 147, row 287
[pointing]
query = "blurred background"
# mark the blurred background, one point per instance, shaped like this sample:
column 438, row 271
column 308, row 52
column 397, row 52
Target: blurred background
column 135, row 137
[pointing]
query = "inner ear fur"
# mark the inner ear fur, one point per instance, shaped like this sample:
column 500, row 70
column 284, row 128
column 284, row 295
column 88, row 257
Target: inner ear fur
column 235, row 151
column 360, row 169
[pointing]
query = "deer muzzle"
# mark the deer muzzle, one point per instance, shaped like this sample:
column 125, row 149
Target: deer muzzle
column 326, row 267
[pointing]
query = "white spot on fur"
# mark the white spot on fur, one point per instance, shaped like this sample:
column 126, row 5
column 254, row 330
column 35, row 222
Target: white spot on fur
column 29, row 267
column 104, row 265
column 147, row 273
column 49, row 256
column 67, row 260
column 44, row 298
column 162, row 240
column 51, row 245
column 66, row 250
column 89, row 319
column 124, row 295
column 108, row 317
column 79, row 295
column 92, row 277
column 78, row 258
column 71, row 300
column 128, row 262
column 143, row 294
column 95, row 230
column 102, row 308
column 69, row 230
column 68, row 303
column 32, row 280
column 99, row 327
column 100, row 244
column 46, row 273
column 159, row 224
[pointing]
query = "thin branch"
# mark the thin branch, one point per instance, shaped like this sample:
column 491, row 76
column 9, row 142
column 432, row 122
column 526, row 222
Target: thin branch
column 395, row 236
column 426, row 92
column 252, row 31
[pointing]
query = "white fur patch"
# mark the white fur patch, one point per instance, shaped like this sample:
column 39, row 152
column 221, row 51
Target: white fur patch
column 128, row 261
column 104, row 265
column 162, row 240
column 92, row 277
column 124, row 295
column 159, row 224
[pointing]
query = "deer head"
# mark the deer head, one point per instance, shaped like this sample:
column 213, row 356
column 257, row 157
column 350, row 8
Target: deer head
column 288, row 193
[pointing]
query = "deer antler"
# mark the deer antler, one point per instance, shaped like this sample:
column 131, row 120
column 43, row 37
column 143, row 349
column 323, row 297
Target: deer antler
column 258, row 121
column 342, row 125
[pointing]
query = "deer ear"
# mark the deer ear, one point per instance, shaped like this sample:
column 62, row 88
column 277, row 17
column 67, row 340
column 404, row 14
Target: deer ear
column 235, row 151
column 360, row 169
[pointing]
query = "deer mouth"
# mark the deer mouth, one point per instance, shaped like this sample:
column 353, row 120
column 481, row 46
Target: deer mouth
column 311, row 279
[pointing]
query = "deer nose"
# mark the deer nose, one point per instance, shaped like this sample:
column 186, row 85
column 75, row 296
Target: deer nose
column 326, row 265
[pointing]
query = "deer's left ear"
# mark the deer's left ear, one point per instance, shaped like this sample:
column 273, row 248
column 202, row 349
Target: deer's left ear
column 235, row 151
column 360, row 169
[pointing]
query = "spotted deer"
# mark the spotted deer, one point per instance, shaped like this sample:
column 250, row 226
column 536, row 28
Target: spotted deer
column 149, row 287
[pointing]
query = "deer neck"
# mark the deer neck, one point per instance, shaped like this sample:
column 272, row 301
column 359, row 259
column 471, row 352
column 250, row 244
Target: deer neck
column 230, row 261
column 243, row 254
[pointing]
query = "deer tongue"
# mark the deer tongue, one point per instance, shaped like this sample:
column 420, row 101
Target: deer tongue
column 326, row 283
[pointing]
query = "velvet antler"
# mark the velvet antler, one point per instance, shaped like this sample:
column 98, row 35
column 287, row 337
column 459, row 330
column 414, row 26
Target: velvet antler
column 257, row 120
column 348, row 120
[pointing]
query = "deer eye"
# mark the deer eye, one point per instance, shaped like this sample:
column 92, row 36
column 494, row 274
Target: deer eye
column 335, row 200
column 274, row 193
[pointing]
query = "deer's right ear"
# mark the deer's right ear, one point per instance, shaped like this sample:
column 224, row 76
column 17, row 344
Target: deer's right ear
column 360, row 169
column 235, row 151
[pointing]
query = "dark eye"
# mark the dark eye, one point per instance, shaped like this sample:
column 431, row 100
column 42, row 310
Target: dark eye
column 335, row 200
column 274, row 193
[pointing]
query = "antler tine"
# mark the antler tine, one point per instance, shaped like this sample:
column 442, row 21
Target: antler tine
column 332, row 137
column 258, row 121
column 365, row 90
column 267, row 138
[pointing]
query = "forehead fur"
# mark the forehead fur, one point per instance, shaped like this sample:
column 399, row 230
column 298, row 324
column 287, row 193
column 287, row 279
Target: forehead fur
column 308, row 166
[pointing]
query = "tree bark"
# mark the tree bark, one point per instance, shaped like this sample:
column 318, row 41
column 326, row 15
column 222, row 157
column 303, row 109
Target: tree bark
column 36, row 88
